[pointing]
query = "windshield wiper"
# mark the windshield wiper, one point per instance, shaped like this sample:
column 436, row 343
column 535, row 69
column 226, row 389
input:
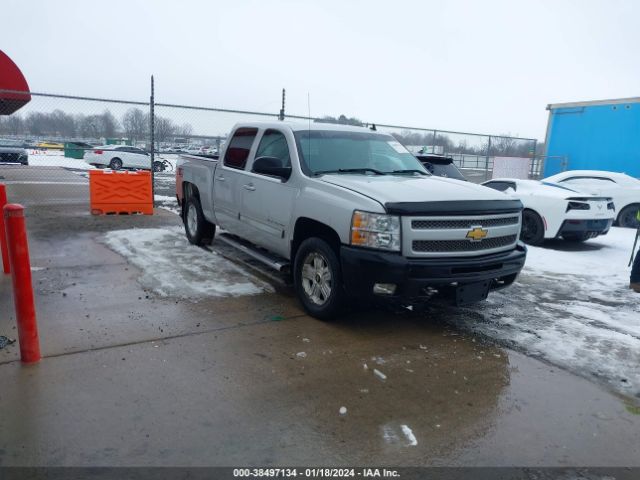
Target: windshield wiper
column 351, row 170
column 421, row 172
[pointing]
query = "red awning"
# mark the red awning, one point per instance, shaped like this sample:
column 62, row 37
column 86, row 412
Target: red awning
column 11, row 78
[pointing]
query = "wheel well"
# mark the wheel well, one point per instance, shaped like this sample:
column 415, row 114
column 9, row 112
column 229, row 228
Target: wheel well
column 188, row 190
column 307, row 228
column 542, row 219
column 532, row 211
column 634, row 205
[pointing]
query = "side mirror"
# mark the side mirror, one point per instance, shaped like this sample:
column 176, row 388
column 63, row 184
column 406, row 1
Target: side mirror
column 271, row 166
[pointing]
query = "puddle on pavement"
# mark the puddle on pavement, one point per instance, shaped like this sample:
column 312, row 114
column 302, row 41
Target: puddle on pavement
column 421, row 392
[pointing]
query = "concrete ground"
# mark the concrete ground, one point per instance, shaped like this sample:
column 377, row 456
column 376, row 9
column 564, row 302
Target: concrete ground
column 132, row 378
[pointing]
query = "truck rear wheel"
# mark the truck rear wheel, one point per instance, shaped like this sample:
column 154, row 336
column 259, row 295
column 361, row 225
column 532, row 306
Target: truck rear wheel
column 199, row 231
column 318, row 279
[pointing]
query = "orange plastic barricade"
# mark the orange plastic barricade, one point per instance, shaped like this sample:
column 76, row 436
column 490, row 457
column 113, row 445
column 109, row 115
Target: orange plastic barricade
column 115, row 193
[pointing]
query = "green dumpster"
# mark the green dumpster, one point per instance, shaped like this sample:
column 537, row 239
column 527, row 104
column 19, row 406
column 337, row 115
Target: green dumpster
column 73, row 150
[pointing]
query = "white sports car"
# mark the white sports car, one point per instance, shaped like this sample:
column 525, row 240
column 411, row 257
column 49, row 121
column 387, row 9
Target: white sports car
column 624, row 190
column 553, row 211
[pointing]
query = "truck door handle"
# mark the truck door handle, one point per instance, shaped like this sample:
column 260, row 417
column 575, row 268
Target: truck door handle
column 249, row 186
column 221, row 178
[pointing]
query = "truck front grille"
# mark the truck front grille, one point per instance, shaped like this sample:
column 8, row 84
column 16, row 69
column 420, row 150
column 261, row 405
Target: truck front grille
column 465, row 223
column 431, row 246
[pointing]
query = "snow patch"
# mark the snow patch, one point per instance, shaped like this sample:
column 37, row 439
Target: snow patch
column 379, row 374
column 392, row 437
column 172, row 267
column 168, row 203
column 572, row 306
column 55, row 158
column 408, row 433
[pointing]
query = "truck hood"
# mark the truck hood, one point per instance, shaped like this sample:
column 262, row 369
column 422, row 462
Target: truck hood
column 401, row 188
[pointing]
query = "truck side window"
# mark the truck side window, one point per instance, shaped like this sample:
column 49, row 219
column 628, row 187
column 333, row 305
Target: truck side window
column 274, row 144
column 239, row 147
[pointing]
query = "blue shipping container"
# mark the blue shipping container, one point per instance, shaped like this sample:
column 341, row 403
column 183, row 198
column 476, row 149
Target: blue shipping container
column 597, row 135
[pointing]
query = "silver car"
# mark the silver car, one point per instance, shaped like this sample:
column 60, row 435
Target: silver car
column 13, row 151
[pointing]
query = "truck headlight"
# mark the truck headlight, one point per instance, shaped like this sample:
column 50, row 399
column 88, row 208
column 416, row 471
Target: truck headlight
column 375, row 230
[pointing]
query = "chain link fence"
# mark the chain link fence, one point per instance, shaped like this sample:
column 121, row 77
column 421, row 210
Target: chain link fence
column 55, row 139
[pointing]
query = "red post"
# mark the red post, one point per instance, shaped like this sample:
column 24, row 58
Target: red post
column 22, row 286
column 3, row 234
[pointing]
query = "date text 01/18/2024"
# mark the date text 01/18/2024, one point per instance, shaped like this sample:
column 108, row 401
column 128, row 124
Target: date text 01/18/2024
column 315, row 473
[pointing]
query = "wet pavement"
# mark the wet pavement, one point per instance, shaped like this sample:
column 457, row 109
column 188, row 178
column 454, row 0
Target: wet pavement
column 133, row 378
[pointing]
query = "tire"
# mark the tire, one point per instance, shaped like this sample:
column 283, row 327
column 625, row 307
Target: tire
column 318, row 279
column 627, row 217
column 532, row 231
column 199, row 231
column 115, row 164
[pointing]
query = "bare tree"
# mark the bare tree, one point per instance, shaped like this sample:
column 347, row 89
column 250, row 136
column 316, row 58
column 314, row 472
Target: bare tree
column 342, row 119
column 185, row 130
column 164, row 128
column 505, row 146
column 135, row 123
column 13, row 125
column 109, row 124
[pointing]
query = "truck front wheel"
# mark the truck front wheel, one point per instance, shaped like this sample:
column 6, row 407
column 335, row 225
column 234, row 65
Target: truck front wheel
column 199, row 231
column 317, row 279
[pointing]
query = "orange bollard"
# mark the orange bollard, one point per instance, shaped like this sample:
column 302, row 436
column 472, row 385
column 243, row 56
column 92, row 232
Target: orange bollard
column 3, row 233
column 22, row 286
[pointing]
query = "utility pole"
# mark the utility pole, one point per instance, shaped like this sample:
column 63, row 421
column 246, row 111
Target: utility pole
column 152, row 135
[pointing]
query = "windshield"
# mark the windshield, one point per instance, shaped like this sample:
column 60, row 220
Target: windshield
column 4, row 142
column 332, row 151
column 448, row 170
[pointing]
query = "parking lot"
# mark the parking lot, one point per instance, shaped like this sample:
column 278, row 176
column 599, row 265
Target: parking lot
column 181, row 356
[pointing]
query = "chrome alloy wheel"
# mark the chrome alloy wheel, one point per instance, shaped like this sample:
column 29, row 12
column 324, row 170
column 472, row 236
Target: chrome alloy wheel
column 192, row 219
column 316, row 278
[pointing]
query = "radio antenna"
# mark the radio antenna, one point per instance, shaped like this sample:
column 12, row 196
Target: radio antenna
column 281, row 116
column 309, row 128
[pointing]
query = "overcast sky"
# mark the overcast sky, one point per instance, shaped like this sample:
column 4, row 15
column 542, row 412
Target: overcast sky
column 480, row 66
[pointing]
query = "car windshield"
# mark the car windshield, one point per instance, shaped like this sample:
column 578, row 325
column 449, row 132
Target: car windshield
column 368, row 153
column 5, row 142
column 448, row 170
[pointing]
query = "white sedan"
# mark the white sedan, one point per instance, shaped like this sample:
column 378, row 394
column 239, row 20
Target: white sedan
column 117, row 157
column 624, row 190
column 554, row 211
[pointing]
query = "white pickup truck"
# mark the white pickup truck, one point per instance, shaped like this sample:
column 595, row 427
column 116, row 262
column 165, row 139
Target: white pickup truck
column 350, row 213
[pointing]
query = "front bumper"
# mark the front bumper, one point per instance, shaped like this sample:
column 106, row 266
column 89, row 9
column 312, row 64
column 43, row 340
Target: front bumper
column 414, row 278
column 14, row 158
column 590, row 228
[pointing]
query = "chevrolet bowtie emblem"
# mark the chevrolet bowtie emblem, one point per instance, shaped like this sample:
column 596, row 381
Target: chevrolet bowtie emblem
column 476, row 234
